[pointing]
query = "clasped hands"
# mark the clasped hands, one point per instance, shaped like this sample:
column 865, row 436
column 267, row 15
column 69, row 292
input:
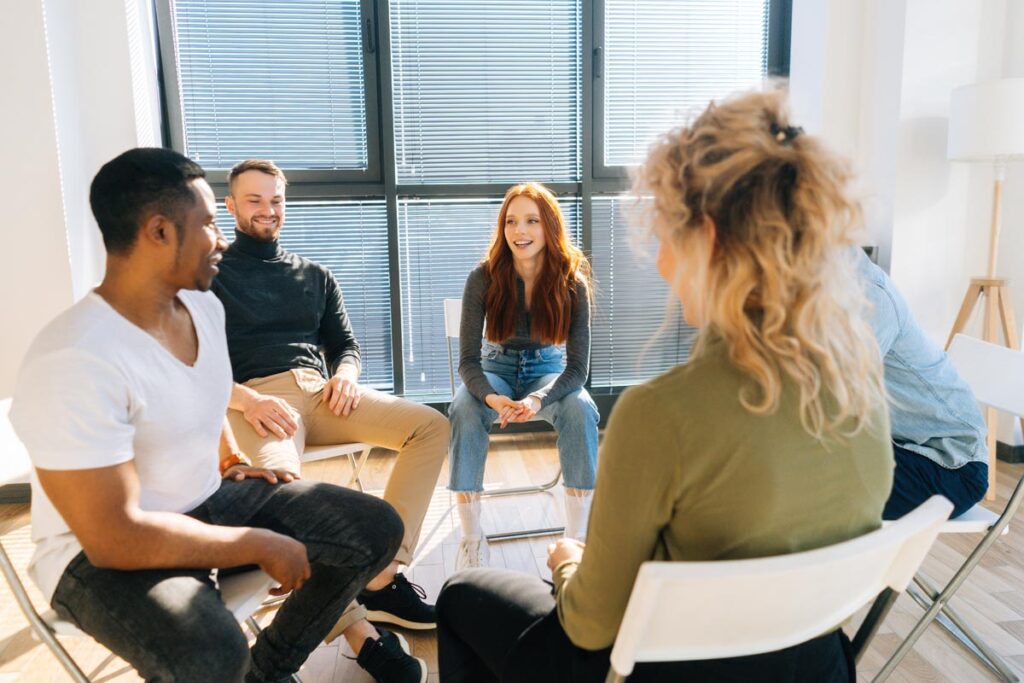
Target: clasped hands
column 510, row 410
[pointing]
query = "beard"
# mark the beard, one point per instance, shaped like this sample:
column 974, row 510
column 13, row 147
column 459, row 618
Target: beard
column 262, row 233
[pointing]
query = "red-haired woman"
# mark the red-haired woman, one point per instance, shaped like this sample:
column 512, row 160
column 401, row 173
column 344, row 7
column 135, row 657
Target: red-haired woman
column 528, row 306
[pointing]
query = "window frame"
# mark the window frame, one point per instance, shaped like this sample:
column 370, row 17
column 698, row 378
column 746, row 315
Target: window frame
column 780, row 14
column 171, row 95
column 379, row 181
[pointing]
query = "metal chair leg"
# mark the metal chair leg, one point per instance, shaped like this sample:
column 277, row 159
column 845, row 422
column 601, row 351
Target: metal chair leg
column 357, row 468
column 872, row 620
column 957, row 627
column 939, row 603
column 518, row 490
column 39, row 626
column 254, row 626
column 537, row 488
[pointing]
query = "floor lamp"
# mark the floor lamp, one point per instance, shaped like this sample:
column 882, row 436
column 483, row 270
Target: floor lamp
column 986, row 123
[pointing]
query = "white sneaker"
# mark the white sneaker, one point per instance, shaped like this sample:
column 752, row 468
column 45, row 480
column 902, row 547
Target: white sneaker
column 472, row 554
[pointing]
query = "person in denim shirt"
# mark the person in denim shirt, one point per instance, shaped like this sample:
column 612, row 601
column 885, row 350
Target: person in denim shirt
column 938, row 433
column 527, row 300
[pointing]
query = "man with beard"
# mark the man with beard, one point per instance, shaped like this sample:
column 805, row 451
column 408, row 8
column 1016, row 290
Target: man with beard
column 296, row 366
column 121, row 404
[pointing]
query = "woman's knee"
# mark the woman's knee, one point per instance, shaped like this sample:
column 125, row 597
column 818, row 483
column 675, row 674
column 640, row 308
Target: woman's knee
column 462, row 589
column 577, row 409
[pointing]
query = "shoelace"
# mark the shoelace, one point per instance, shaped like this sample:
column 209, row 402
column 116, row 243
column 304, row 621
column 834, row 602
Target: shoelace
column 416, row 588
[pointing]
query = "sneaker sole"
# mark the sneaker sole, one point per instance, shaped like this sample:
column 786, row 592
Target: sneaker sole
column 388, row 618
column 404, row 644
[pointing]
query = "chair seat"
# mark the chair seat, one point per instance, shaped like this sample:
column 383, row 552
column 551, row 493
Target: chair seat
column 59, row 626
column 977, row 520
column 242, row 593
column 313, row 453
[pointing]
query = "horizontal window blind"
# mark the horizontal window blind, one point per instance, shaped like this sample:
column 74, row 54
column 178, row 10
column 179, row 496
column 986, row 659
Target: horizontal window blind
column 351, row 239
column 278, row 80
column 628, row 342
column 440, row 242
column 666, row 59
column 486, row 91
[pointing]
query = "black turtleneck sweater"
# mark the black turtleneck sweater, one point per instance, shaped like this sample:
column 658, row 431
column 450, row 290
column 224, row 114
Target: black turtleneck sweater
column 283, row 312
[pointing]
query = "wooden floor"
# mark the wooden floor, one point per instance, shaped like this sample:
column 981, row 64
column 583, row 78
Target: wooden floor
column 992, row 600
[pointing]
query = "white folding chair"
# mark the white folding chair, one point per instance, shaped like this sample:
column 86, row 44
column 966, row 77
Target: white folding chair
column 686, row 611
column 313, row 453
column 452, row 321
column 996, row 376
column 242, row 592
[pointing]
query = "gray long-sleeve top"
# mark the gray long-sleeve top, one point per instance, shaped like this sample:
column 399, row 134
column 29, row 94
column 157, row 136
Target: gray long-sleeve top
column 471, row 330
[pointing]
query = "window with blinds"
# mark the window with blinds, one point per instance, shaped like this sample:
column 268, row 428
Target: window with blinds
column 630, row 338
column 481, row 94
column 351, row 239
column 486, row 92
column 276, row 80
column 665, row 59
column 441, row 241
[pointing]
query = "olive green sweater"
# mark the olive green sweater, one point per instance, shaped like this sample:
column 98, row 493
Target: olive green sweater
column 686, row 473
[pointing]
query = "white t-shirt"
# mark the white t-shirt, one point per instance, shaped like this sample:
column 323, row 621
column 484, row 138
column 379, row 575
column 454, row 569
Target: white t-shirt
column 95, row 390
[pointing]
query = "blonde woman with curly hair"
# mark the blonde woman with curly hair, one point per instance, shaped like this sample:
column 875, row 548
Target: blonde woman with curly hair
column 772, row 439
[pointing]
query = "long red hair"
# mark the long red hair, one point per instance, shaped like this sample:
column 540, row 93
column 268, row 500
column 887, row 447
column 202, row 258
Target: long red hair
column 554, row 293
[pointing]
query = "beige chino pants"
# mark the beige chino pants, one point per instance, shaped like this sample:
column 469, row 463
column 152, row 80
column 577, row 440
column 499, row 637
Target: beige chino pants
column 417, row 432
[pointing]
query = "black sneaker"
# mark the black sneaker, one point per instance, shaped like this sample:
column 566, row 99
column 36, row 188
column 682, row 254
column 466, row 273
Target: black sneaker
column 400, row 603
column 387, row 659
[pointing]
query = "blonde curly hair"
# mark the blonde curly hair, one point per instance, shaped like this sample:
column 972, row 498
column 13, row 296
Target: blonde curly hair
column 781, row 288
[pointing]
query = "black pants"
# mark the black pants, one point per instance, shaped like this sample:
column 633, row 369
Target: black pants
column 917, row 478
column 171, row 625
column 500, row 625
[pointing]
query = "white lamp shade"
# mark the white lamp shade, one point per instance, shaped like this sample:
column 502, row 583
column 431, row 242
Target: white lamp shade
column 986, row 121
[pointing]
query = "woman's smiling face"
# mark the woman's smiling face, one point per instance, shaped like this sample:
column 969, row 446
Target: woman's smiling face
column 524, row 229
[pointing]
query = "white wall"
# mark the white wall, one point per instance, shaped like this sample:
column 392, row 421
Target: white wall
column 1011, row 245
column 874, row 77
column 36, row 278
column 845, row 85
column 85, row 80
column 940, row 234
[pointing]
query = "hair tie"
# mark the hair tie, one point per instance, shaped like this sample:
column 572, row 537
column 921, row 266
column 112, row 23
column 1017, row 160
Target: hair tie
column 784, row 134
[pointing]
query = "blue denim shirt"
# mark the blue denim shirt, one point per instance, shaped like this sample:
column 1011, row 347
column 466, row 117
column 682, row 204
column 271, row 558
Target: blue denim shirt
column 932, row 410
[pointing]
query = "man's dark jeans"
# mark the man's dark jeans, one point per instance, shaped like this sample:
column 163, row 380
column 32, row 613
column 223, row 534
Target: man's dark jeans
column 171, row 625
column 916, row 479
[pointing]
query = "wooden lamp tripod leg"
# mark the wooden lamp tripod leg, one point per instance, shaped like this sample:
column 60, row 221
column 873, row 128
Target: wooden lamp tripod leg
column 966, row 308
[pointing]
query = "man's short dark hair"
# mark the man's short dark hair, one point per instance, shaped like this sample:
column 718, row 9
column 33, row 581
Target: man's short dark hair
column 140, row 182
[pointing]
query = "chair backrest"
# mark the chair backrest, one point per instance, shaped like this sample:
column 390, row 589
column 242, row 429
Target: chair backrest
column 452, row 317
column 682, row 611
column 994, row 373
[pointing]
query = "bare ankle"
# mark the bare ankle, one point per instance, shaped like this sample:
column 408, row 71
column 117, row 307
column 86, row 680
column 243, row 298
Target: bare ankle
column 384, row 578
column 358, row 633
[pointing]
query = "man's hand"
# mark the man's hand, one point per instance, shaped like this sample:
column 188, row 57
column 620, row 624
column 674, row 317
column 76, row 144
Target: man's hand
column 268, row 414
column 284, row 559
column 342, row 392
column 240, row 472
column 565, row 549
